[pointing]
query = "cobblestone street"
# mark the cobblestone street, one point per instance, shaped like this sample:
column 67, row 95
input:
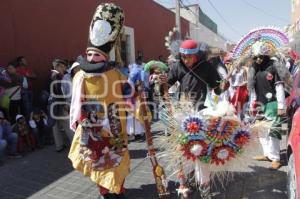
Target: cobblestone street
column 46, row 174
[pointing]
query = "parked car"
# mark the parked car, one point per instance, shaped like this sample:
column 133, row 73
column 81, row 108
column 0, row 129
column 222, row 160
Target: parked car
column 293, row 140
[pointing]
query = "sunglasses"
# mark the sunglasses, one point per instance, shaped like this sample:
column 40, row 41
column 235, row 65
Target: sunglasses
column 256, row 57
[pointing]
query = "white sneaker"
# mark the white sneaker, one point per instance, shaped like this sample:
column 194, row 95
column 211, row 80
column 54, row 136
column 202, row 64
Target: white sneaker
column 131, row 137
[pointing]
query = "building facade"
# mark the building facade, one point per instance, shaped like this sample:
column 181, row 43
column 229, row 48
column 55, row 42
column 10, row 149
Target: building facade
column 202, row 28
column 294, row 28
column 48, row 29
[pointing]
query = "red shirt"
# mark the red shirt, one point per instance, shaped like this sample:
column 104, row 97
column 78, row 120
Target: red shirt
column 25, row 71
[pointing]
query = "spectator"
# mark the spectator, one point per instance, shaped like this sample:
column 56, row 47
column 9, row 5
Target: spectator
column 14, row 92
column 39, row 125
column 123, row 69
column 3, row 145
column 59, row 110
column 25, row 137
column 7, row 138
column 138, row 64
column 66, row 85
column 27, row 93
column 5, row 82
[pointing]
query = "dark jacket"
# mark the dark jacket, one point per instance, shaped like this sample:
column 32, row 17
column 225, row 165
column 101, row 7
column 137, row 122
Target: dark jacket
column 195, row 81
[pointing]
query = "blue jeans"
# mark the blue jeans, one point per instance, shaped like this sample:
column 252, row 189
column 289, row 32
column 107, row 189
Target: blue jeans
column 12, row 140
column 27, row 98
column 3, row 145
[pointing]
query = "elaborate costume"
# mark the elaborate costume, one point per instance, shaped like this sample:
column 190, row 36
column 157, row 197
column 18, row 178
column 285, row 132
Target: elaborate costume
column 97, row 113
column 212, row 140
column 196, row 77
column 267, row 83
column 239, row 89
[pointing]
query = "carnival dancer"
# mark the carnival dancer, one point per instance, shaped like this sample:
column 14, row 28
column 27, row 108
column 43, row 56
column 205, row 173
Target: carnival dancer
column 213, row 99
column 267, row 90
column 195, row 75
column 97, row 113
column 268, row 79
column 135, row 128
column 239, row 81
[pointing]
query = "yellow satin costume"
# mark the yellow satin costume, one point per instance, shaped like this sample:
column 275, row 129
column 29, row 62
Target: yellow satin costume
column 106, row 88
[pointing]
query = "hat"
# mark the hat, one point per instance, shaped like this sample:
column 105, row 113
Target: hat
column 261, row 41
column 74, row 65
column 189, row 47
column 19, row 117
column 59, row 61
column 105, row 28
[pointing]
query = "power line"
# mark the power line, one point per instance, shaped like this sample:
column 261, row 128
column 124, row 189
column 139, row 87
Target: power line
column 225, row 21
column 264, row 12
column 197, row 16
column 188, row 8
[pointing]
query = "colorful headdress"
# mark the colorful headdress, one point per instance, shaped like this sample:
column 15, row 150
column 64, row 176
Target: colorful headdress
column 262, row 41
column 105, row 27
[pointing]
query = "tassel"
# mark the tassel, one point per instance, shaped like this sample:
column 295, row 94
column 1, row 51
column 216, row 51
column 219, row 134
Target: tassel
column 198, row 171
column 202, row 173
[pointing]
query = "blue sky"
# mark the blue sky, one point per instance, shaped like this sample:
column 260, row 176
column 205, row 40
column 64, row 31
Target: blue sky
column 241, row 16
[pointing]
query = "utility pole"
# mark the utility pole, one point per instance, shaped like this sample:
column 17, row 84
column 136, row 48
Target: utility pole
column 177, row 17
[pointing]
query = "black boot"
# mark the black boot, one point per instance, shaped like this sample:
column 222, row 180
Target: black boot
column 109, row 196
column 120, row 196
column 114, row 196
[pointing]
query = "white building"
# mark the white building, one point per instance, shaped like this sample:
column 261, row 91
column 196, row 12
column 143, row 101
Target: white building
column 294, row 29
column 202, row 28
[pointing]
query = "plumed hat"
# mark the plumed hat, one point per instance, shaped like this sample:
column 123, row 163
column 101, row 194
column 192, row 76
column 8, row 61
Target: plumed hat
column 105, row 28
column 261, row 41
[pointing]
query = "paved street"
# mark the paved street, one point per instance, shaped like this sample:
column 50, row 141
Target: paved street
column 46, row 174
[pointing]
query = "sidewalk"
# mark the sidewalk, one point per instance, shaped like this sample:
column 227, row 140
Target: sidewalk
column 46, row 174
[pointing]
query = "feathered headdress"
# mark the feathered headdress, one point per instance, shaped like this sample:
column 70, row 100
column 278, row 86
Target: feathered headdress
column 268, row 41
column 172, row 42
column 260, row 41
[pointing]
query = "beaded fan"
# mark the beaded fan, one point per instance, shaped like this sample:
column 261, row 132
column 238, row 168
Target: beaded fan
column 271, row 38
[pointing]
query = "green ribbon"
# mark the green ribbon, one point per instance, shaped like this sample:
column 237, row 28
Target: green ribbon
column 183, row 139
column 205, row 159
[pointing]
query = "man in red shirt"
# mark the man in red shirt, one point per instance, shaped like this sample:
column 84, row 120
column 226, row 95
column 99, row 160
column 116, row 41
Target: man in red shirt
column 27, row 93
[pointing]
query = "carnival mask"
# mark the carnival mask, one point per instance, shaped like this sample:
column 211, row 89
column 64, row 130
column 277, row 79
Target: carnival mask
column 95, row 57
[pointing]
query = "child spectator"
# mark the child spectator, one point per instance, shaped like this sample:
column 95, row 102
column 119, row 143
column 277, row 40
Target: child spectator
column 24, row 135
column 40, row 129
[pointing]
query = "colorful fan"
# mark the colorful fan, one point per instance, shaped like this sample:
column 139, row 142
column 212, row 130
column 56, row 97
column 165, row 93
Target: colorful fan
column 272, row 37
